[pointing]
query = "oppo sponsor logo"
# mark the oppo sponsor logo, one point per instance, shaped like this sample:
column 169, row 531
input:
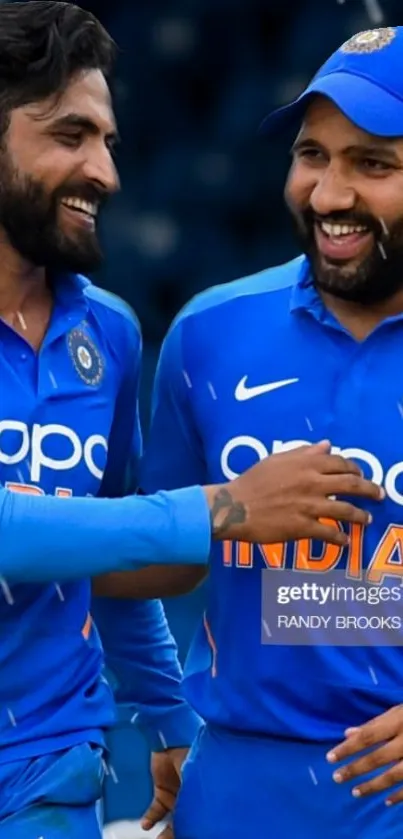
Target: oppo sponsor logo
column 32, row 446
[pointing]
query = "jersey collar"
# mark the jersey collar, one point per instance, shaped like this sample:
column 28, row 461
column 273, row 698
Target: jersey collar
column 70, row 304
column 304, row 295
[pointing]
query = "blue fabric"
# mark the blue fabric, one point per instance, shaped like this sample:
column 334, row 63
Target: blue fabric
column 236, row 786
column 68, row 428
column 363, row 78
column 314, row 381
column 94, row 538
column 54, row 796
column 142, row 657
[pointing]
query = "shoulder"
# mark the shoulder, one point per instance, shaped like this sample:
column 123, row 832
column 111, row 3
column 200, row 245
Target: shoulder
column 277, row 281
column 114, row 314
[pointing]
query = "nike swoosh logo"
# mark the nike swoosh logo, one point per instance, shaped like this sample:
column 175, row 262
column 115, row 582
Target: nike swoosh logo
column 242, row 392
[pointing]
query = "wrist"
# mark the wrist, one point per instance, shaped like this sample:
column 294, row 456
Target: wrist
column 177, row 728
column 228, row 512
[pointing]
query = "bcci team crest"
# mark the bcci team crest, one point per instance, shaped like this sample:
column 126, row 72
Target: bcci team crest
column 86, row 358
column 371, row 40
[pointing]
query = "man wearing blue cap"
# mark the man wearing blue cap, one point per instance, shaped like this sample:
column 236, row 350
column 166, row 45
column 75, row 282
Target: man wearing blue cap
column 300, row 646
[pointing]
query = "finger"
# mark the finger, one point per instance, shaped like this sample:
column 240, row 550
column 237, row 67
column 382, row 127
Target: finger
column 323, row 447
column 377, row 759
column 352, row 485
column 327, row 533
column 395, row 797
column 343, row 511
column 386, row 780
column 155, row 813
column 373, row 733
column 335, row 464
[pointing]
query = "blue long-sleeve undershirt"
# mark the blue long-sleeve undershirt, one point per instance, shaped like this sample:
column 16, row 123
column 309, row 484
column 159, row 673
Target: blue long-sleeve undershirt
column 45, row 538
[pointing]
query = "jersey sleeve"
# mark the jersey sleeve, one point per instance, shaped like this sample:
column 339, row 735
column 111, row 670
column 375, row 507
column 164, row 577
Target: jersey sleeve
column 174, row 454
column 45, row 538
column 141, row 655
column 140, row 652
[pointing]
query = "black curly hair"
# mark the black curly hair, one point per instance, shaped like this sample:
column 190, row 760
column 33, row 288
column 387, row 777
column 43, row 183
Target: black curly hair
column 43, row 45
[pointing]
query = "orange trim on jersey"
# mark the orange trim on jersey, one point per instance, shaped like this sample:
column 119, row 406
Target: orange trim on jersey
column 86, row 630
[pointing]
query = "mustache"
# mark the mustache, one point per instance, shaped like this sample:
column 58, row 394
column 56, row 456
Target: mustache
column 372, row 224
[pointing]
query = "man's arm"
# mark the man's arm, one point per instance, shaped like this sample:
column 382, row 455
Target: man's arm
column 142, row 656
column 44, row 538
column 285, row 497
column 154, row 581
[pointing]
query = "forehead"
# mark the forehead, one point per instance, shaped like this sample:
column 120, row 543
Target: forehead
column 87, row 95
column 325, row 123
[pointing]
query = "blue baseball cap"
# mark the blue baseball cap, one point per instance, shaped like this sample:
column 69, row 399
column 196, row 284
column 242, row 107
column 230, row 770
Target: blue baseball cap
column 364, row 79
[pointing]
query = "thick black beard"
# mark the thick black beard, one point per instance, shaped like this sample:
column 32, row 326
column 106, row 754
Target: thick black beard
column 378, row 278
column 29, row 217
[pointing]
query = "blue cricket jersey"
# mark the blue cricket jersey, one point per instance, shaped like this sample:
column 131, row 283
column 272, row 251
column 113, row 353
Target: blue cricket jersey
column 256, row 367
column 69, row 427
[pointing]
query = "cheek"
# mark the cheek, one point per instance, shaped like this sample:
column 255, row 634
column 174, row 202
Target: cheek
column 383, row 204
column 298, row 188
column 51, row 168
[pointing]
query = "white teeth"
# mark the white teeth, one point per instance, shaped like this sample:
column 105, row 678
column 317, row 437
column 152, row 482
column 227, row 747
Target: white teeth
column 78, row 204
column 341, row 229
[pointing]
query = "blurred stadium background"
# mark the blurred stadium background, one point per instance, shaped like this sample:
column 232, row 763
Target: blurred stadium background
column 202, row 197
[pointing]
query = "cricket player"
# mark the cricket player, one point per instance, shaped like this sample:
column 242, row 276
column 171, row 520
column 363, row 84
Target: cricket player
column 297, row 663
column 69, row 369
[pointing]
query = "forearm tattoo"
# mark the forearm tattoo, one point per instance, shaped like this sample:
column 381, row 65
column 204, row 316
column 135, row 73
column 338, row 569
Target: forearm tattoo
column 225, row 512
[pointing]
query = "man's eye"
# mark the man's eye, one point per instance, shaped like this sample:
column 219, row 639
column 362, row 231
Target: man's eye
column 310, row 153
column 69, row 139
column 374, row 165
column 111, row 145
column 313, row 155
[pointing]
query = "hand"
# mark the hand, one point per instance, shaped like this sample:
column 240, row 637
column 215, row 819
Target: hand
column 289, row 496
column 166, row 772
column 385, row 733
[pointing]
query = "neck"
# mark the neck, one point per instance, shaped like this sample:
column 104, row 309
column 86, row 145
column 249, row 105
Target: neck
column 361, row 320
column 20, row 282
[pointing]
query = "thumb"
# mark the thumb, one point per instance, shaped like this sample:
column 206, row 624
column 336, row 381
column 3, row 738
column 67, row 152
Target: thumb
column 155, row 813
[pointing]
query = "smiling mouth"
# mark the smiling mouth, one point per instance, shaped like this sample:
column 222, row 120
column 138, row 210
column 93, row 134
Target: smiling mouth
column 79, row 205
column 82, row 213
column 342, row 241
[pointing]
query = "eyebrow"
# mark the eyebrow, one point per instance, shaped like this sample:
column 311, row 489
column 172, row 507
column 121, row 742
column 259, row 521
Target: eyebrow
column 374, row 149
column 73, row 120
